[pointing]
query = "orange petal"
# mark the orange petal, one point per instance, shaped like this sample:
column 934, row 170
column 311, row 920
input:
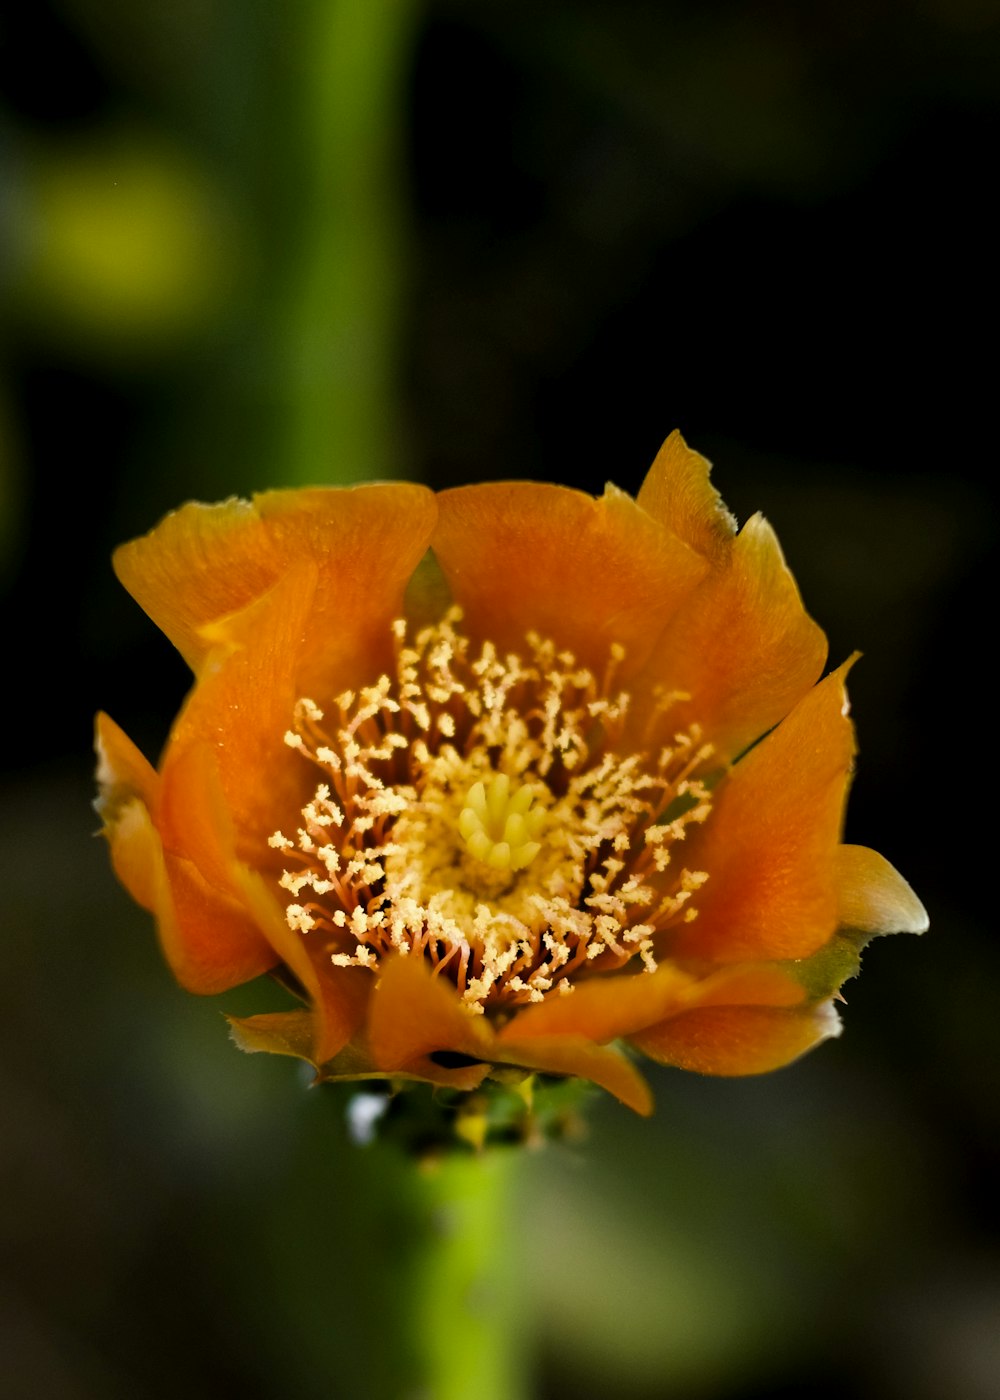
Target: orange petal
column 339, row 996
column 122, row 771
column 228, row 781
column 413, row 1013
column 292, row 1033
column 365, row 542
column 207, row 935
column 129, row 787
column 573, row 1055
column 203, row 564
column 770, row 843
column 136, row 853
column 677, row 492
column 736, row 1040
column 873, row 896
column 604, row 1008
column 324, row 626
column 241, row 708
column 194, row 819
column 742, row 647
column 200, row 563
column 212, row 939
column 519, row 556
column 209, row 940
column 198, row 830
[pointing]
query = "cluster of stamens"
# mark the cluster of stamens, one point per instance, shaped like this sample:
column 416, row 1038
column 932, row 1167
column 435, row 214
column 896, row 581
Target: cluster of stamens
column 475, row 810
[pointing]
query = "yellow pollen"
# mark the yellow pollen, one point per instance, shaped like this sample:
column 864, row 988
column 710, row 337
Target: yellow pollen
column 499, row 824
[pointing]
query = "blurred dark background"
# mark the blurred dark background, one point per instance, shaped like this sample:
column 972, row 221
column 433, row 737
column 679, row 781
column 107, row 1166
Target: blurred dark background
column 244, row 244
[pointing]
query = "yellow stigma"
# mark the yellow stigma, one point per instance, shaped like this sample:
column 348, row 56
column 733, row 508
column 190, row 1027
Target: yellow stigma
column 499, row 825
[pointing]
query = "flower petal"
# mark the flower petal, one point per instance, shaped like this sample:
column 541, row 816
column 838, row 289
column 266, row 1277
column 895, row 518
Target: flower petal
column 291, row 1033
column 122, row 771
column 207, row 937
column 365, row 542
column 203, row 563
column 136, row 852
column 737, row 1040
column 604, row 1008
column 574, row 1055
column 874, row 897
column 338, row 996
column 200, row 563
column 413, row 1013
column 241, row 708
column 741, row 650
column 520, row 557
column 770, row 843
column 323, row 627
column 128, row 787
column 194, row 819
column 678, row 493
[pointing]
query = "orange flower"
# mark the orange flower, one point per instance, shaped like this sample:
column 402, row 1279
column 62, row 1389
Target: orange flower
column 478, row 775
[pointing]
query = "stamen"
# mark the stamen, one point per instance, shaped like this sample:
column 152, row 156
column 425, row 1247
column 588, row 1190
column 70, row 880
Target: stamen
column 476, row 811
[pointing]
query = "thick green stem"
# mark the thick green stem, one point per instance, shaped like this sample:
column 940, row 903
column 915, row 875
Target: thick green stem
column 344, row 273
column 456, row 1306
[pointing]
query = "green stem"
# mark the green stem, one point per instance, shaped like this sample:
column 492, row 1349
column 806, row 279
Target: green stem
column 341, row 302
column 450, row 1271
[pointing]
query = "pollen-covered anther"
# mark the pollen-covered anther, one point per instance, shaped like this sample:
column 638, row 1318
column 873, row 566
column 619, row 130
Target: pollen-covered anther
column 500, row 824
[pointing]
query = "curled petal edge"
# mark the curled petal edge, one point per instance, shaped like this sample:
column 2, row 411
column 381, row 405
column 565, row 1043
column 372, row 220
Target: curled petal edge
column 679, row 494
column 872, row 896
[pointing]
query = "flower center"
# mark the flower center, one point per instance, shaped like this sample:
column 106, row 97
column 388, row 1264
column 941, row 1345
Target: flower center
column 478, row 811
column 499, row 824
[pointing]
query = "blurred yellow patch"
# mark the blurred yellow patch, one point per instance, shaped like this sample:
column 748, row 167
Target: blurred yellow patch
column 125, row 245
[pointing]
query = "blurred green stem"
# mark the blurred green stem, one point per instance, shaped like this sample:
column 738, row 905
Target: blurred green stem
column 455, row 1322
column 342, row 301
column 465, row 1290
